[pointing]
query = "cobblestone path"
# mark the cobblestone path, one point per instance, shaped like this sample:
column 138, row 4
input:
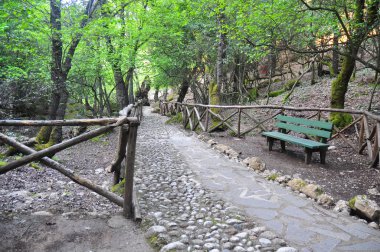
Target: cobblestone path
column 196, row 199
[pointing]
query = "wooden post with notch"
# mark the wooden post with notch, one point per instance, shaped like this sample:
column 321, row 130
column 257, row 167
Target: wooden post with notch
column 130, row 170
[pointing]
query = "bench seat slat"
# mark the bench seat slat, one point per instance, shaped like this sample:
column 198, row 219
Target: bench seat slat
column 307, row 122
column 295, row 140
column 305, row 130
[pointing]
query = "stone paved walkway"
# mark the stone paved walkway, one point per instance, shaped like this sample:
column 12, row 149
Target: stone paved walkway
column 184, row 185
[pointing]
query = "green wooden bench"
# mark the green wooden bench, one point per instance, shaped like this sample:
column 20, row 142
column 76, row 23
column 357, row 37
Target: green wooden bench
column 319, row 129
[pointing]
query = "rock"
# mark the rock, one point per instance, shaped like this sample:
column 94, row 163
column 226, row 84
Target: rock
column 255, row 163
column 373, row 225
column 207, row 224
column 214, row 250
column 265, row 242
column 239, row 249
column 278, row 241
column 234, row 239
column 296, row 184
column 283, row 179
column 173, row 246
column 232, row 153
column 233, row 221
column 228, row 245
column 211, row 142
column 342, row 206
column 268, row 235
column 374, row 191
column 221, row 148
column 286, row 249
column 242, row 235
column 325, row 200
column 209, row 246
column 312, row 190
column 367, row 207
column 154, row 230
column 42, row 213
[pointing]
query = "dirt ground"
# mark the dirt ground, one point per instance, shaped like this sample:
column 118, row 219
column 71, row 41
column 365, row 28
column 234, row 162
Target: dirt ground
column 56, row 233
column 42, row 210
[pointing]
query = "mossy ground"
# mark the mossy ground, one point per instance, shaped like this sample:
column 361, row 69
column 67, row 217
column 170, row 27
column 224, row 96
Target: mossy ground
column 118, row 188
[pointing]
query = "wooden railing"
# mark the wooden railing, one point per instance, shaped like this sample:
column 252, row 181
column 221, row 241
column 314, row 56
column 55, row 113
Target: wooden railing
column 128, row 123
column 243, row 120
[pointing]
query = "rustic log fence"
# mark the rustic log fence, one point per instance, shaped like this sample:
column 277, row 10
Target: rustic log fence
column 128, row 123
column 243, row 120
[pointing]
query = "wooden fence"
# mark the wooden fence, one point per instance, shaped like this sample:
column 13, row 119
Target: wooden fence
column 128, row 123
column 364, row 130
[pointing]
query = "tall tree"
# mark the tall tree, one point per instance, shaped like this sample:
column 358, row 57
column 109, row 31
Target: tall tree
column 61, row 62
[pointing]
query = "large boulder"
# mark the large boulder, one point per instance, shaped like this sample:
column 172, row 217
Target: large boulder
column 255, row 163
column 366, row 207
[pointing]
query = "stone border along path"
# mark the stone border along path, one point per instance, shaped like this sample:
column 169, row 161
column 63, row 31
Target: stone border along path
column 195, row 199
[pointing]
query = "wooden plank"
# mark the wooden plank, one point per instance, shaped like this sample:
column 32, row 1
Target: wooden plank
column 257, row 122
column 345, row 128
column 61, row 146
column 223, row 121
column 74, row 122
column 199, row 119
column 304, row 130
column 306, row 122
column 121, row 149
column 130, row 170
column 367, row 135
column 239, row 123
column 295, row 140
column 350, row 111
column 65, row 171
column 254, row 127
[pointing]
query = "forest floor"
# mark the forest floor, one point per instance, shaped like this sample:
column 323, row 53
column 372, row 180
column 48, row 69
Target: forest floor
column 42, row 210
column 346, row 173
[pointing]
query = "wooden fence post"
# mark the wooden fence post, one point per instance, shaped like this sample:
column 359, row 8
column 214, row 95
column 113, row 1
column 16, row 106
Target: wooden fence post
column 130, row 169
column 123, row 138
column 239, row 123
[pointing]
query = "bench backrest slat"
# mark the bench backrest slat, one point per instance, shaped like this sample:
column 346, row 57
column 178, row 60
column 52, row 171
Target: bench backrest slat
column 306, row 122
column 309, row 127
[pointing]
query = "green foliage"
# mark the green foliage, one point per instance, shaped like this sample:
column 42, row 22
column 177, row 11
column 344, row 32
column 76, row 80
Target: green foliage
column 273, row 176
column 340, row 120
column 118, row 188
column 253, row 94
column 351, row 203
column 3, row 163
column 276, row 92
column 176, row 119
column 36, row 166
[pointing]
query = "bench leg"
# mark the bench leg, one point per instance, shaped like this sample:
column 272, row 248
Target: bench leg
column 308, row 154
column 322, row 153
column 270, row 143
column 283, row 146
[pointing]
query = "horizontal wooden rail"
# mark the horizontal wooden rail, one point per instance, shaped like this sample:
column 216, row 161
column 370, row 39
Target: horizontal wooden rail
column 74, row 122
column 350, row 111
column 225, row 116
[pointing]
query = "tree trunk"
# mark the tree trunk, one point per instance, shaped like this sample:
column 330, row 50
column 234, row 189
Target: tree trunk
column 339, row 88
column 183, row 90
column 60, row 68
column 156, row 95
column 335, row 57
column 131, row 97
column 221, row 84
